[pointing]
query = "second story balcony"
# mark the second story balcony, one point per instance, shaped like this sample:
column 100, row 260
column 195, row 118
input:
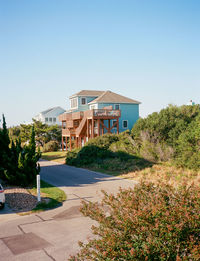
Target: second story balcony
column 106, row 113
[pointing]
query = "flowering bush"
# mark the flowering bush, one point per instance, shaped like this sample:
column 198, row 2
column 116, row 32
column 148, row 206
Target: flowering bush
column 150, row 222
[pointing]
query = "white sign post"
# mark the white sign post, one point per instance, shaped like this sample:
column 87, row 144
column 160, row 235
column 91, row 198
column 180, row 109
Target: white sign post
column 38, row 188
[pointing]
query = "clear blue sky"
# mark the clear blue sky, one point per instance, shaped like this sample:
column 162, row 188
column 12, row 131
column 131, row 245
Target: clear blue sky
column 147, row 50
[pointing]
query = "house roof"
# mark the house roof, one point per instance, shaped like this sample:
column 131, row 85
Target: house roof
column 87, row 93
column 112, row 97
column 51, row 109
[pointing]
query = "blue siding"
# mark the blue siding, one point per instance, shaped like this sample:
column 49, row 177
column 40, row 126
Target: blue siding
column 129, row 112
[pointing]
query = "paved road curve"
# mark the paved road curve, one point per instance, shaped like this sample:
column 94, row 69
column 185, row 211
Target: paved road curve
column 53, row 235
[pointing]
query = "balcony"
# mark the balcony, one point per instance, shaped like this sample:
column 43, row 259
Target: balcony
column 65, row 117
column 106, row 113
column 67, row 132
column 77, row 115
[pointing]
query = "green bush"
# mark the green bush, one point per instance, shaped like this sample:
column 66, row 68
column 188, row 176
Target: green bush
column 168, row 124
column 148, row 223
column 188, row 150
column 171, row 134
column 51, row 146
column 19, row 166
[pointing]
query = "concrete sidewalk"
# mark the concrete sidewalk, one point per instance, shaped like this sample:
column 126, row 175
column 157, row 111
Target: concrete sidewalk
column 54, row 234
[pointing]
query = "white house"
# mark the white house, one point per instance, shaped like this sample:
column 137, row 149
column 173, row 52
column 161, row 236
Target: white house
column 50, row 116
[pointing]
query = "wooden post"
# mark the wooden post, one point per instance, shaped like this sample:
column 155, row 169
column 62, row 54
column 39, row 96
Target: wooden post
column 98, row 127
column 102, row 130
column 92, row 127
column 117, row 126
column 70, row 142
column 109, row 126
column 66, row 143
column 87, row 131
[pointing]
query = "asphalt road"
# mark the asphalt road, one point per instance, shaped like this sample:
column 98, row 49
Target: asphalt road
column 54, row 234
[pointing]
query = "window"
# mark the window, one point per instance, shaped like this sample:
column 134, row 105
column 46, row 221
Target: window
column 116, row 106
column 46, row 119
column 74, row 103
column 125, row 124
column 50, row 119
column 54, row 119
column 83, row 101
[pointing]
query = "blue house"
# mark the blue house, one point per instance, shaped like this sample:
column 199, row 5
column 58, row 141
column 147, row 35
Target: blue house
column 93, row 113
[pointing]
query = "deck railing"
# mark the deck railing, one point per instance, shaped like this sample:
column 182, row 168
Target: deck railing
column 106, row 113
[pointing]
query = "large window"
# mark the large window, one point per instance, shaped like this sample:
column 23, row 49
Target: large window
column 54, row 119
column 50, row 119
column 46, row 119
column 83, row 101
column 125, row 124
column 74, row 103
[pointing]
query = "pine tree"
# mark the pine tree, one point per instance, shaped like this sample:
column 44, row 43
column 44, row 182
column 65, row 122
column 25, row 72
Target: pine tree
column 4, row 148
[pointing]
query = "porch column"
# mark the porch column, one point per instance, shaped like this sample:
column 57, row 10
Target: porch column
column 87, row 128
column 70, row 142
column 102, row 130
column 92, row 127
column 117, row 126
column 109, row 126
column 98, row 127
column 62, row 144
column 66, row 139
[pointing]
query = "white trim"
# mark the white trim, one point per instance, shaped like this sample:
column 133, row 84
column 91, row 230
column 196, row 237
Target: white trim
column 123, row 124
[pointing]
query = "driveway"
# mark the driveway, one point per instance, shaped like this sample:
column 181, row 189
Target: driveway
column 54, row 234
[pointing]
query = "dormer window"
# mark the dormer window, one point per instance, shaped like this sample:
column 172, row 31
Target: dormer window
column 74, row 103
column 83, row 101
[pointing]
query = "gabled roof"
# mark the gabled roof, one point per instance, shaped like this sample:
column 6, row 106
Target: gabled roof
column 51, row 109
column 112, row 97
column 87, row 93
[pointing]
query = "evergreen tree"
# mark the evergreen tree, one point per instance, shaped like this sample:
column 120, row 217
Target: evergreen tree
column 4, row 148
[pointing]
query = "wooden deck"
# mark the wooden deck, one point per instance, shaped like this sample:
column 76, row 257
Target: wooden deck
column 79, row 127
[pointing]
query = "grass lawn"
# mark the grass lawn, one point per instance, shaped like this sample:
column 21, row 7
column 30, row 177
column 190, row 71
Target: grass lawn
column 54, row 196
column 58, row 156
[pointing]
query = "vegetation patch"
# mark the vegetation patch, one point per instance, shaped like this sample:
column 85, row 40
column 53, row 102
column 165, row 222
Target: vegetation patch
column 150, row 222
column 113, row 154
column 165, row 173
column 58, row 156
column 171, row 134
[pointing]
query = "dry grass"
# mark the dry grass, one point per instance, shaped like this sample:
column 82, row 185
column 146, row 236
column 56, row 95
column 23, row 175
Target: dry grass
column 165, row 172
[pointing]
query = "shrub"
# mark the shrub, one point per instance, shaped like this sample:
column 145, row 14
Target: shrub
column 104, row 141
column 171, row 134
column 148, row 223
column 188, row 149
column 51, row 146
column 168, row 124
